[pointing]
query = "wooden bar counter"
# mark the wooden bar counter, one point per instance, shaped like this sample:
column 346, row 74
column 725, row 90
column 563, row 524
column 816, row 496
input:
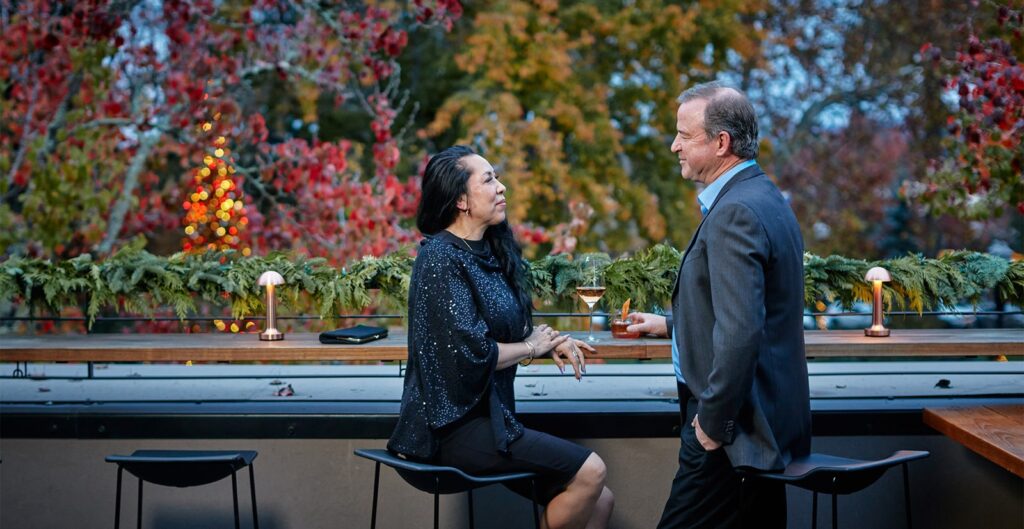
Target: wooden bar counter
column 304, row 347
column 994, row 432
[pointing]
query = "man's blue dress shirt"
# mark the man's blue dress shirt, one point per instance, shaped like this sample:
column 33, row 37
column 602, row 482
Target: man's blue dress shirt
column 705, row 200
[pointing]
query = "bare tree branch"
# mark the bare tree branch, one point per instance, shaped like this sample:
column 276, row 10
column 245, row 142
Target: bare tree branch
column 322, row 13
column 59, row 118
column 26, row 134
column 403, row 132
column 102, row 122
column 131, row 180
column 263, row 66
column 363, row 102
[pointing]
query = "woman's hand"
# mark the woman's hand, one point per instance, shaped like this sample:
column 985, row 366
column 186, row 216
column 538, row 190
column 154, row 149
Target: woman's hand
column 572, row 350
column 544, row 339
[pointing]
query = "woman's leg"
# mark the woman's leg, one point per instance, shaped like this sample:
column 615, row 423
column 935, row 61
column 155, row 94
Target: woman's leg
column 575, row 507
column 602, row 510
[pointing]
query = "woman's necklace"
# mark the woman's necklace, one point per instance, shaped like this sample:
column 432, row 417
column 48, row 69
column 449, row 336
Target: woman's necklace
column 464, row 241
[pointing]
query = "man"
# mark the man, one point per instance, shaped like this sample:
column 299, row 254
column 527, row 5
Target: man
column 736, row 324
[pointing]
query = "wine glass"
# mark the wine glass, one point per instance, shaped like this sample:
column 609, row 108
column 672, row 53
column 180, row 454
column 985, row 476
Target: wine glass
column 591, row 287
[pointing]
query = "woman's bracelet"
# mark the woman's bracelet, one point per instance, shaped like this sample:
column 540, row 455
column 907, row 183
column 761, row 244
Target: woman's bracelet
column 533, row 353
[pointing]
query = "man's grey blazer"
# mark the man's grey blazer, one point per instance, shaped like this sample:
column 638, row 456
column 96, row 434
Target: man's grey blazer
column 737, row 310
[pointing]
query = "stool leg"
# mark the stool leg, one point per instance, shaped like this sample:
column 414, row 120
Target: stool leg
column 376, row 484
column 906, row 493
column 835, row 503
column 470, row 494
column 743, row 480
column 835, row 512
column 138, row 520
column 437, row 496
column 117, row 501
column 536, row 515
column 814, row 512
column 252, row 491
column 234, row 495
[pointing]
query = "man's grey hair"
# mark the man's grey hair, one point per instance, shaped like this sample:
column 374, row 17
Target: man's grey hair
column 728, row 110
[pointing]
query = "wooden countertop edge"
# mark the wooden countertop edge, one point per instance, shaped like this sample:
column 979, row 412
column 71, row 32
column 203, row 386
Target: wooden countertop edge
column 995, row 453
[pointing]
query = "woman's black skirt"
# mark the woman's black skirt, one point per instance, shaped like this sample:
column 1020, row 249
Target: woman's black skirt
column 470, row 447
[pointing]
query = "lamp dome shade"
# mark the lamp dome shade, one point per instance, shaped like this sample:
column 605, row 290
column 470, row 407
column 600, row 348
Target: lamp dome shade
column 877, row 274
column 272, row 278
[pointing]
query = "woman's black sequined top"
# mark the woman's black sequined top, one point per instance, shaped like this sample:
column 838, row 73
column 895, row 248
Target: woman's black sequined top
column 460, row 308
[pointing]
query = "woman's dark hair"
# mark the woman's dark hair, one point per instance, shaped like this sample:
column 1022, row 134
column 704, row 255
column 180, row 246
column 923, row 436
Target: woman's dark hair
column 445, row 179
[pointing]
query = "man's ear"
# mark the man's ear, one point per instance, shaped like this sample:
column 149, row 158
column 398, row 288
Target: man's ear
column 724, row 144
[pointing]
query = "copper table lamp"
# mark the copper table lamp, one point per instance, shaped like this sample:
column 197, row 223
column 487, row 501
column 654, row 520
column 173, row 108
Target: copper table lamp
column 877, row 276
column 269, row 280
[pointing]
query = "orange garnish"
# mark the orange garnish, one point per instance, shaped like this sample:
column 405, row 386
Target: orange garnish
column 625, row 308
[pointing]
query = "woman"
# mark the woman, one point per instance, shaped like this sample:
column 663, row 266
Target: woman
column 470, row 324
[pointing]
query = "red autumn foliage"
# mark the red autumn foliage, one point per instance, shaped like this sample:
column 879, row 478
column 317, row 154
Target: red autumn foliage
column 133, row 102
column 982, row 172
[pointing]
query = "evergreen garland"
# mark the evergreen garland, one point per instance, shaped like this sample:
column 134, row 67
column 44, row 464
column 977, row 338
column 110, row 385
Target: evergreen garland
column 135, row 281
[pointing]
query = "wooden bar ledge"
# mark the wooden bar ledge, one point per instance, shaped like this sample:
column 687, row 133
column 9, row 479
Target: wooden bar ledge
column 304, row 347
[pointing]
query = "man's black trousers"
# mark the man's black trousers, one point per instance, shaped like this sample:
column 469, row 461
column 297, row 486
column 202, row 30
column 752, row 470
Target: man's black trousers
column 706, row 490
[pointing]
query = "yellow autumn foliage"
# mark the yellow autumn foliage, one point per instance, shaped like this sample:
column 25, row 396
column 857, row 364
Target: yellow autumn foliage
column 574, row 101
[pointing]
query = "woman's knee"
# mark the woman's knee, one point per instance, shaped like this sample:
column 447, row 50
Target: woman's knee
column 593, row 473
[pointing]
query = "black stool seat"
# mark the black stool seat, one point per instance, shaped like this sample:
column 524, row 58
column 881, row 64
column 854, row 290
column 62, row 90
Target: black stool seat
column 839, row 475
column 450, row 479
column 835, row 475
column 438, row 480
column 185, row 468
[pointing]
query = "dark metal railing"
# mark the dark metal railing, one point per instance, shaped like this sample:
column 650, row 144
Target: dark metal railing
column 308, row 317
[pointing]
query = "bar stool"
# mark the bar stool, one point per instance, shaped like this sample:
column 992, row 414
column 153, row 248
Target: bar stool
column 834, row 475
column 185, row 468
column 439, row 480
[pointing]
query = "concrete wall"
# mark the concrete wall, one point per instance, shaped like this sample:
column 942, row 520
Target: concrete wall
column 313, row 484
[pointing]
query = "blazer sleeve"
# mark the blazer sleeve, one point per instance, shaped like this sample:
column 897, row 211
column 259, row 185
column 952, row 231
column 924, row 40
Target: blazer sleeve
column 454, row 352
column 738, row 251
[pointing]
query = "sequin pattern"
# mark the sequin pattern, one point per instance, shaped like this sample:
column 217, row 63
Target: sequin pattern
column 460, row 308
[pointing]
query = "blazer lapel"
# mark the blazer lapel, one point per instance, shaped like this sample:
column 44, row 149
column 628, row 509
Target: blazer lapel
column 746, row 174
column 675, row 287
